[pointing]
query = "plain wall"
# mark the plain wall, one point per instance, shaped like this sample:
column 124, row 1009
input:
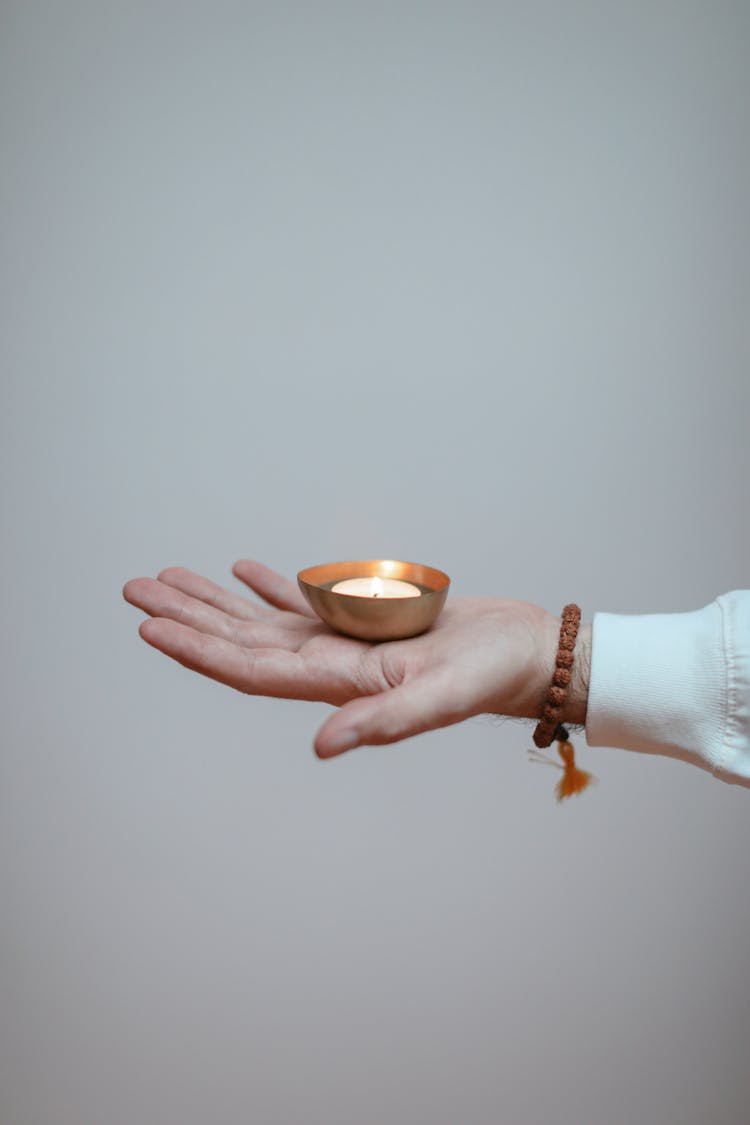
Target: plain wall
column 462, row 283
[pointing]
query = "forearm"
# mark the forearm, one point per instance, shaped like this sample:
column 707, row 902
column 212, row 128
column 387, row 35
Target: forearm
column 676, row 685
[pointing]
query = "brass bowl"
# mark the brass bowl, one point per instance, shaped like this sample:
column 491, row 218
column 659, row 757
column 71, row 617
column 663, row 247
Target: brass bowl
column 375, row 619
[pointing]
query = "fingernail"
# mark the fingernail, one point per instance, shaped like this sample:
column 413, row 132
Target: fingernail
column 342, row 740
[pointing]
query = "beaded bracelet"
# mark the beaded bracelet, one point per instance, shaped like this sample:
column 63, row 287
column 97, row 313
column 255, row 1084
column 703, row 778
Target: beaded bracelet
column 549, row 728
column 546, row 728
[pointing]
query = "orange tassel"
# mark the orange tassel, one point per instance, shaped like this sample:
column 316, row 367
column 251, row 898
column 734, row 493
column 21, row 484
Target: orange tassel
column 573, row 779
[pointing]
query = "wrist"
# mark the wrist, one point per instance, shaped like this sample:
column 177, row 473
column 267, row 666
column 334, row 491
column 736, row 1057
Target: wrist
column 576, row 702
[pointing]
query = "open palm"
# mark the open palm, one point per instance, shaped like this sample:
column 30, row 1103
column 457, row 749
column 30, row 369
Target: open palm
column 483, row 654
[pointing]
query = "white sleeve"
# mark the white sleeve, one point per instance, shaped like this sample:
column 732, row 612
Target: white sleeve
column 675, row 684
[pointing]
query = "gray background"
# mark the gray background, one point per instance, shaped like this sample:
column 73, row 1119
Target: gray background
column 460, row 283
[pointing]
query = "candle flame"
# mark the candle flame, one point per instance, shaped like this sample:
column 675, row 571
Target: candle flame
column 376, row 587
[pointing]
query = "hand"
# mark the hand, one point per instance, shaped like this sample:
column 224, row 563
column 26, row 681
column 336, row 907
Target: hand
column 482, row 655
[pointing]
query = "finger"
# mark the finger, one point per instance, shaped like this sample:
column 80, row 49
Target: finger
column 160, row 600
column 207, row 591
column 433, row 700
column 274, row 588
column 274, row 672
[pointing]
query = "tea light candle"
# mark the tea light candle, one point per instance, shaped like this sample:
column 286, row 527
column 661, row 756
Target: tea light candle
column 376, row 587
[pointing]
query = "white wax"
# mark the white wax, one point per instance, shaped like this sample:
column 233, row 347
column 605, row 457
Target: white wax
column 376, row 588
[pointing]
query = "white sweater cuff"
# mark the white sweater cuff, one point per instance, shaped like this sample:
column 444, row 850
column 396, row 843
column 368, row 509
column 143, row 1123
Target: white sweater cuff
column 675, row 684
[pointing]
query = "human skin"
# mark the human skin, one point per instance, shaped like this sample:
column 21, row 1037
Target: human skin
column 483, row 654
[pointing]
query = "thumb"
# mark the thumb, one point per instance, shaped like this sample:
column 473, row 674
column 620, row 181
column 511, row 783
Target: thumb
column 430, row 701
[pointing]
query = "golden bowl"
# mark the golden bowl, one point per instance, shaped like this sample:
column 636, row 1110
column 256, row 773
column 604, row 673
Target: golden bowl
column 375, row 618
